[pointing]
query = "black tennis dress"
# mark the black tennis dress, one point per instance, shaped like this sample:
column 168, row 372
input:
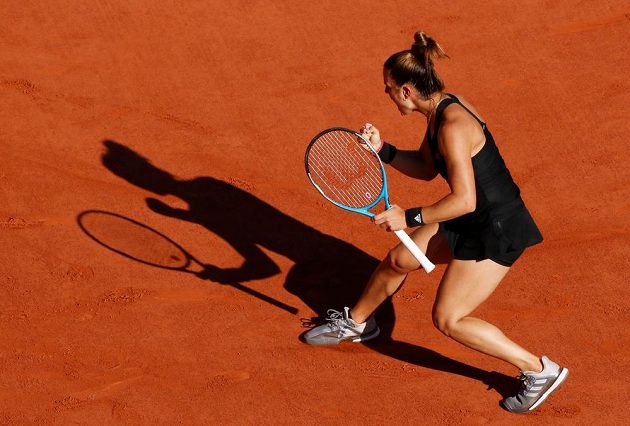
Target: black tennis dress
column 500, row 227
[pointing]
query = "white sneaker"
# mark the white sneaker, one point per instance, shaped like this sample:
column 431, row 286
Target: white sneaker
column 536, row 387
column 340, row 327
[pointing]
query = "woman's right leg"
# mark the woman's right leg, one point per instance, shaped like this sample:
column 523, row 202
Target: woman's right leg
column 357, row 325
column 391, row 272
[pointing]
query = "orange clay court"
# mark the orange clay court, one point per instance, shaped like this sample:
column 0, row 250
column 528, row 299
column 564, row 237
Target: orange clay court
column 176, row 130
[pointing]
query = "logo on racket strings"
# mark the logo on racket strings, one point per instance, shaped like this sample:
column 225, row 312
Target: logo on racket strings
column 343, row 173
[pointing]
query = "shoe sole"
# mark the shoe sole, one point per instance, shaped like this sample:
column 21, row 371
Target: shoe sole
column 365, row 337
column 561, row 377
column 374, row 333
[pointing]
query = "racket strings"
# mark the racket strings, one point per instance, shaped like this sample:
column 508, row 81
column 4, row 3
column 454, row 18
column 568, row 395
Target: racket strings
column 368, row 179
column 351, row 171
column 344, row 171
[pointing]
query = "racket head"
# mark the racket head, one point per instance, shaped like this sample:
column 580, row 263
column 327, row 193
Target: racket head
column 344, row 167
column 133, row 240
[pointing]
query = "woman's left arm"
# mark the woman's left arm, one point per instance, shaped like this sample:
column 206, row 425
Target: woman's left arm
column 456, row 148
column 455, row 144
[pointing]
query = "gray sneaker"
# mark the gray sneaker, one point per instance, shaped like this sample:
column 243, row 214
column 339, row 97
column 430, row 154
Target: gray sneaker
column 341, row 327
column 536, row 387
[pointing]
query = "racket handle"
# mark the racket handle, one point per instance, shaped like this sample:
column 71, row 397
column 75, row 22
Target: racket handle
column 413, row 248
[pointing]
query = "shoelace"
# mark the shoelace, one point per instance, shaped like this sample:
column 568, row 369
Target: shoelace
column 337, row 321
column 528, row 382
column 334, row 317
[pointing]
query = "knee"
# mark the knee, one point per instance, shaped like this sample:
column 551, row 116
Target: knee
column 444, row 321
column 400, row 263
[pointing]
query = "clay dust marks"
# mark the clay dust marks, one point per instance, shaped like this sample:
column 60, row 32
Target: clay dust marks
column 35, row 92
column 46, row 101
column 19, row 223
column 67, row 271
column 240, row 183
column 183, row 123
column 98, row 395
column 112, row 112
column 181, row 295
column 103, row 384
column 111, row 382
column 124, row 296
column 21, row 85
column 597, row 24
column 314, row 87
column 227, row 378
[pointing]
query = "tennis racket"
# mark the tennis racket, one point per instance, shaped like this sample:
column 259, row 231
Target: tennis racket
column 344, row 167
column 143, row 244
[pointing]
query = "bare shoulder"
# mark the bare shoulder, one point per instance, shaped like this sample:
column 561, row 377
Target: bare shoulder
column 468, row 105
column 454, row 131
column 460, row 131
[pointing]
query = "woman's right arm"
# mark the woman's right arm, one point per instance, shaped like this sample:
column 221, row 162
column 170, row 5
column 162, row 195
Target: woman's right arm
column 417, row 164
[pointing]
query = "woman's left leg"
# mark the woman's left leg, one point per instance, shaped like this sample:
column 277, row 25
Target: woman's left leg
column 465, row 285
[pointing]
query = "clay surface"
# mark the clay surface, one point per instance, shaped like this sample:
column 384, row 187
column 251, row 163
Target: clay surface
column 172, row 133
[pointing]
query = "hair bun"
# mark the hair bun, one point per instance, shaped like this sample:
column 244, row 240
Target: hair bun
column 425, row 48
column 421, row 38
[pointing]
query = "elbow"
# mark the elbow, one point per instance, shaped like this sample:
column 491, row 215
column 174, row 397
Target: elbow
column 469, row 204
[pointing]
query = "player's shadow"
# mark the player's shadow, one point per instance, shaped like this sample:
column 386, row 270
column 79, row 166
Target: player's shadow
column 327, row 272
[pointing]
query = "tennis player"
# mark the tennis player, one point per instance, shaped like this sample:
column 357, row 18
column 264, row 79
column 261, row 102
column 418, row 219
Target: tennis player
column 481, row 226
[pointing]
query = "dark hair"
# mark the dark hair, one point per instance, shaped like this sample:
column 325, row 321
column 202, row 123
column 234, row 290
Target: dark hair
column 415, row 65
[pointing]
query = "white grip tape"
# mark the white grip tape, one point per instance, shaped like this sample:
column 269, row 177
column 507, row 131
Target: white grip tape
column 413, row 248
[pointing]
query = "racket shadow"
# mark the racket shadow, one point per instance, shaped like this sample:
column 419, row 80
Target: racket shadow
column 327, row 272
column 141, row 243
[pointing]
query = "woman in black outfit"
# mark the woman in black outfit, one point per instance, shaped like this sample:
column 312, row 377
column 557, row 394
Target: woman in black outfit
column 482, row 225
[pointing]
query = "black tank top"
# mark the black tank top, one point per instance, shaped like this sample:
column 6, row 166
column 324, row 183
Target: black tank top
column 495, row 188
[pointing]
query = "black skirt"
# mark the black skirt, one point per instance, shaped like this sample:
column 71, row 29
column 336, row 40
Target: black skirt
column 501, row 233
